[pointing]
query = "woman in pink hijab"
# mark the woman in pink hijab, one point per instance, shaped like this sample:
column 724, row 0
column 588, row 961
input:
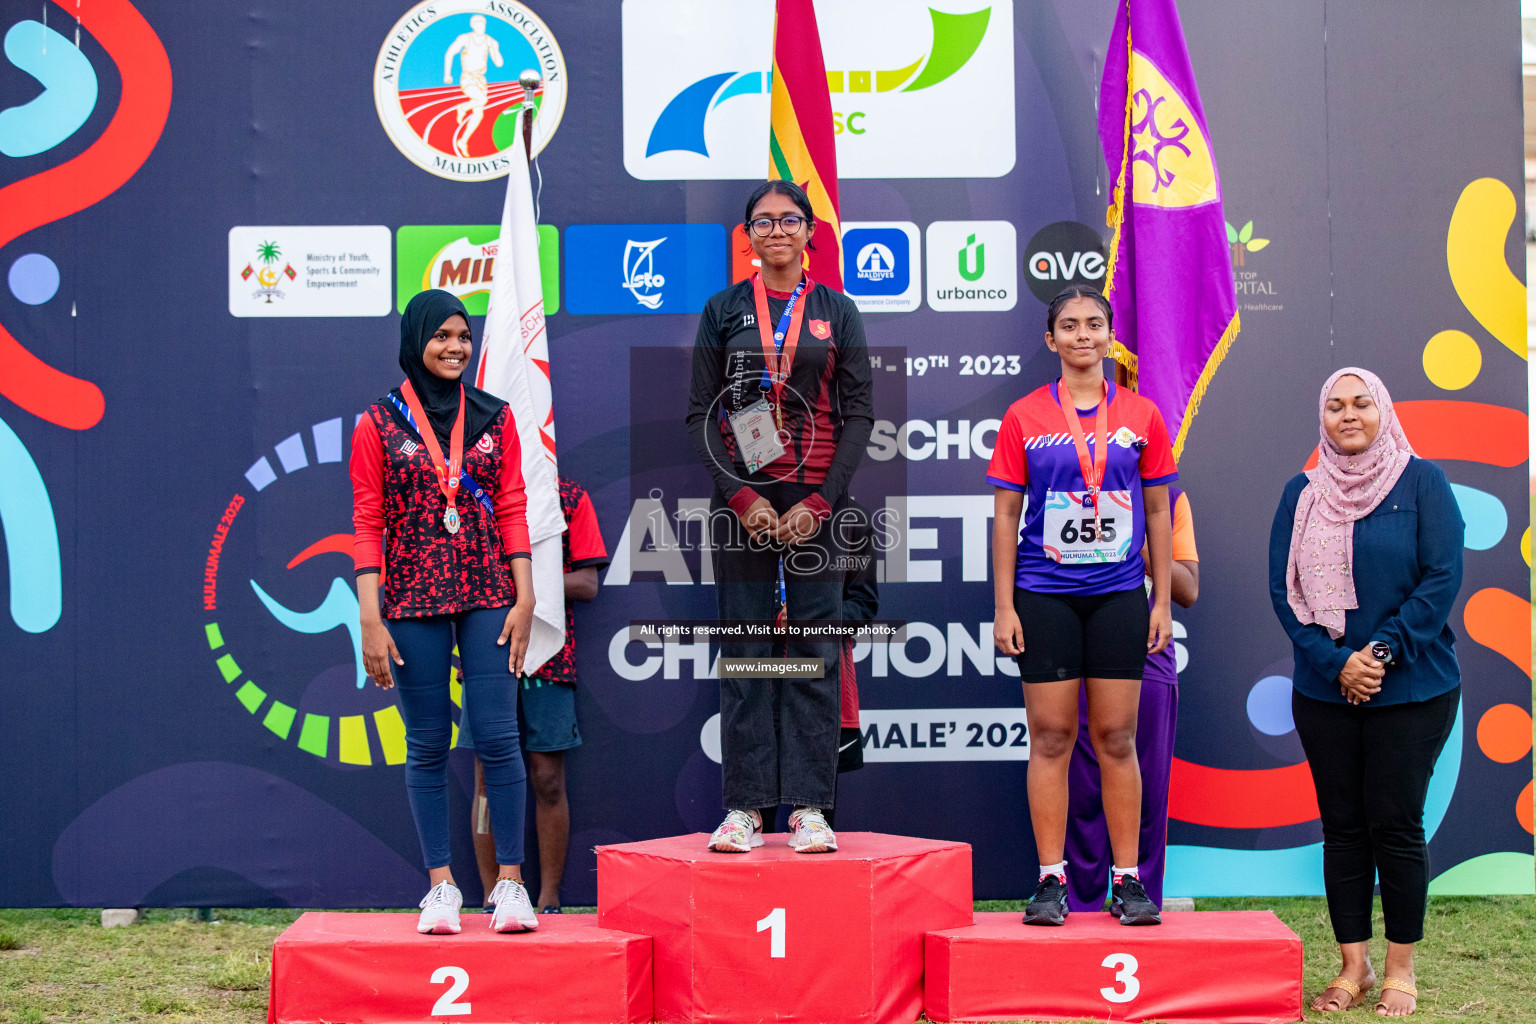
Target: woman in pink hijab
column 1364, row 565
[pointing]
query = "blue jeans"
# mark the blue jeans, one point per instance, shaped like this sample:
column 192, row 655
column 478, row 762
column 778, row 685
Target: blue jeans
column 426, row 645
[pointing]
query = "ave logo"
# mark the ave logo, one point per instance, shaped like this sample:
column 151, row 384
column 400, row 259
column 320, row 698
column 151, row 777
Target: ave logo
column 1062, row 254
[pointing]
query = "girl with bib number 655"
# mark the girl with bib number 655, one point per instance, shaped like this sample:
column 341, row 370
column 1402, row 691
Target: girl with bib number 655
column 1095, row 463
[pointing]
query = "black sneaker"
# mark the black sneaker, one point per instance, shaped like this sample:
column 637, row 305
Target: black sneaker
column 1049, row 904
column 1130, row 903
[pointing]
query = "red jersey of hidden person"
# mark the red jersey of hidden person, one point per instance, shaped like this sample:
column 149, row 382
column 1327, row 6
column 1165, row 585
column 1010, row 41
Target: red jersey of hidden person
column 583, row 548
column 1061, row 548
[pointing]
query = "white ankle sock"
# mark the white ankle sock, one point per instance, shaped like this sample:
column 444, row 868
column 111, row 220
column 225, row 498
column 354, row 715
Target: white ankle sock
column 1059, row 869
column 1133, row 872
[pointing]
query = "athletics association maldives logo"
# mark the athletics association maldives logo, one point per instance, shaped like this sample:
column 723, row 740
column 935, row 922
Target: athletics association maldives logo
column 446, row 84
column 280, row 612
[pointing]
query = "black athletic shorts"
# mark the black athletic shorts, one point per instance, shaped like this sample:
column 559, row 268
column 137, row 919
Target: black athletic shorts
column 1082, row 636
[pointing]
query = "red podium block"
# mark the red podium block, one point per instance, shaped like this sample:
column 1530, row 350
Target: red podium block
column 1238, row 967
column 832, row 938
column 376, row 969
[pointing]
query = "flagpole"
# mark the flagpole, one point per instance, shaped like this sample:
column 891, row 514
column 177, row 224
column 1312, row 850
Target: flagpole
column 530, row 81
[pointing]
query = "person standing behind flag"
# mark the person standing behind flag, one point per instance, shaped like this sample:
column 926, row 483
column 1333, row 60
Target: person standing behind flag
column 1088, row 853
column 437, row 470
column 780, row 413
column 546, row 703
column 1068, row 588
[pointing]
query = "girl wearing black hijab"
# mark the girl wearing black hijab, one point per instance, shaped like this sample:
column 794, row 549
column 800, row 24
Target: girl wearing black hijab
column 439, row 514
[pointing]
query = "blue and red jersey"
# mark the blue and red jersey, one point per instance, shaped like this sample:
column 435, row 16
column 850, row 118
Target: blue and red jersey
column 1035, row 454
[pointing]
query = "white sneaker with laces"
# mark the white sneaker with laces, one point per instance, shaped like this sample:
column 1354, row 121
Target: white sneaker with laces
column 809, row 832
column 738, row 833
column 440, row 910
column 514, row 911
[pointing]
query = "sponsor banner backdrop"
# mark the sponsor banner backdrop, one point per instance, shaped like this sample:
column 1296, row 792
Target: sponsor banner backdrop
column 185, row 720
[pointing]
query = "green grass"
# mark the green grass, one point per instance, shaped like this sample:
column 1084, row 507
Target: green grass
column 1476, row 963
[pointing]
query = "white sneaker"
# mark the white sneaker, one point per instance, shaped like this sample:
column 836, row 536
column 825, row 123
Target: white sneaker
column 514, row 912
column 440, row 910
column 738, row 833
column 810, row 833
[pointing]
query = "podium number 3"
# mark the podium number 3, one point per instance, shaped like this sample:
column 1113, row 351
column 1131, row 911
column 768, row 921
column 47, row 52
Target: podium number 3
column 447, row 1004
column 774, row 923
column 1124, row 965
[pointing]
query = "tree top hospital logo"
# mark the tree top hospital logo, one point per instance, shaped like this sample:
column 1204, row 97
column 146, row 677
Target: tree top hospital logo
column 944, row 64
column 280, row 612
column 446, row 84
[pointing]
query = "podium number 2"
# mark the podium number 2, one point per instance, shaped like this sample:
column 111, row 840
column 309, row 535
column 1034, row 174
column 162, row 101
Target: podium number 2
column 447, row 1004
column 774, row 923
column 1124, row 965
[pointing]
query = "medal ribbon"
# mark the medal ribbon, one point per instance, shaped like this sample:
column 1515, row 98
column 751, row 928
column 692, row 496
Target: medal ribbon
column 778, row 347
column 1093, row 471
column 467, row 481
column 447, row 474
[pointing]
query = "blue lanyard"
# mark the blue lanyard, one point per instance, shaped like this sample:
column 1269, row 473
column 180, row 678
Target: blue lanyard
column 779, row 332
column 468, row 481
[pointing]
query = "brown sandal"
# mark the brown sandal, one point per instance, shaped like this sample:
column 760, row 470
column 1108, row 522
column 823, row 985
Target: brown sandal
column 1399, row 985
column 1343, row 984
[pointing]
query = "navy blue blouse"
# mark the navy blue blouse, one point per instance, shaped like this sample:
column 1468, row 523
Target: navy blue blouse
column 1407, row 572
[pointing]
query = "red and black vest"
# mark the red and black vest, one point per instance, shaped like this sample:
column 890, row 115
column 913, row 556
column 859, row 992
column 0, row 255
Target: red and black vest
column 427, row 570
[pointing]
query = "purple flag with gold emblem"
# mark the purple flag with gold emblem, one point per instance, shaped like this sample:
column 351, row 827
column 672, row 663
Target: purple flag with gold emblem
column 1170, row 270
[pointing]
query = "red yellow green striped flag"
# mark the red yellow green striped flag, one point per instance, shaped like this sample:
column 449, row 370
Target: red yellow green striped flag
column 800, row 146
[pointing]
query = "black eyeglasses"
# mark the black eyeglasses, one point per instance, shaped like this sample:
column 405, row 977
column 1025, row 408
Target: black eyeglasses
column 763, row 226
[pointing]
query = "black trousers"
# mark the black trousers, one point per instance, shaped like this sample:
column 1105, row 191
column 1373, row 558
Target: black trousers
column 1371, row 767
column 778, row 737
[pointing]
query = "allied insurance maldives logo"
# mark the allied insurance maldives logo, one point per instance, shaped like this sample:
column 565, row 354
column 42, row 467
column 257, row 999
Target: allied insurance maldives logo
column 280, row 612
column 697, row 79
column 446, row 84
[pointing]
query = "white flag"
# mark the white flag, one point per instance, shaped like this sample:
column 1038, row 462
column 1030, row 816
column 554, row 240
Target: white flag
column 514, row 366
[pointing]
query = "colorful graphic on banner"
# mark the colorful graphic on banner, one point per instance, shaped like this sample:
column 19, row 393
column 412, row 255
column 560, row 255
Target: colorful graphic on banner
column 461, row 258
column 446, row 84
column 950, row 70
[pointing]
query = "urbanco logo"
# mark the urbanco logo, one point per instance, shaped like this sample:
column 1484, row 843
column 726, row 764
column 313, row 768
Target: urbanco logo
column 1063, row 254
column 944, row 64
column 446, row 84
column 972, row 265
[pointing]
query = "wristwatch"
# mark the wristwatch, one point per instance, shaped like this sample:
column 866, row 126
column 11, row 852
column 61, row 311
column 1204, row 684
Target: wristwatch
column 1381, row 652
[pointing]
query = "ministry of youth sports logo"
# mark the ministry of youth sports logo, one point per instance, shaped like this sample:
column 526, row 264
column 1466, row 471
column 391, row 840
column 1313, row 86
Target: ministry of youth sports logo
column 446, row 84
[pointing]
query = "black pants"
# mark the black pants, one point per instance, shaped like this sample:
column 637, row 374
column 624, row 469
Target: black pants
column 1371, row 767
column 778, row 737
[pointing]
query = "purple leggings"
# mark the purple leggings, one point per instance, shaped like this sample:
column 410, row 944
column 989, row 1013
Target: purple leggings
column 1088, row 855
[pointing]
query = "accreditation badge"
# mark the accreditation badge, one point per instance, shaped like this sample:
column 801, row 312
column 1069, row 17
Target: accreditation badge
column 757, row 436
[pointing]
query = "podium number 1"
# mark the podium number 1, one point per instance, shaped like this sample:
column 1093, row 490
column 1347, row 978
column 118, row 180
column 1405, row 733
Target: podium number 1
column 447, row 1004
column 1124, row 965
column 774, row 923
